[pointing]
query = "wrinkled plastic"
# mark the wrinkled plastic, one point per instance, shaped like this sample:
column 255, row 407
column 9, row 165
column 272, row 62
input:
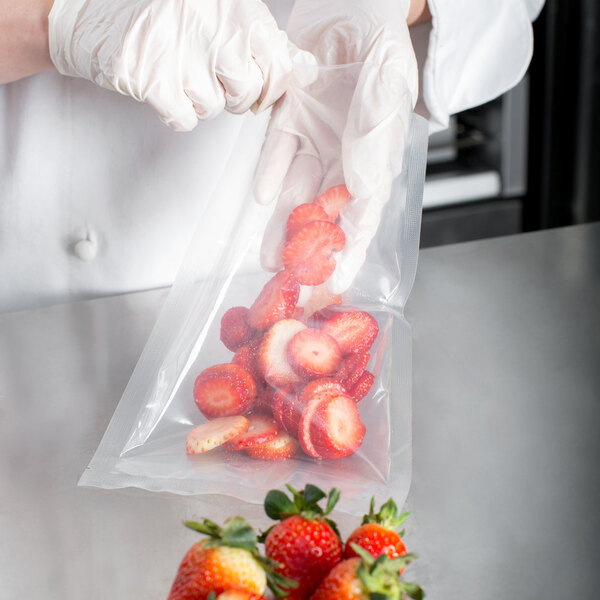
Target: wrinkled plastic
column 144, row 445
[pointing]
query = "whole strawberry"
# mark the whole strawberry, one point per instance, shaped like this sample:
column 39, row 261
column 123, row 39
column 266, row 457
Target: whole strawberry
column 236, row 595
column 378, row 532
column 366, row 578
column 227, row 560
column 305, row 543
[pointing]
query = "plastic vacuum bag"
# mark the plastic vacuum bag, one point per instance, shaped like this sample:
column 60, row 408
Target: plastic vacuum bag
column 145, row 443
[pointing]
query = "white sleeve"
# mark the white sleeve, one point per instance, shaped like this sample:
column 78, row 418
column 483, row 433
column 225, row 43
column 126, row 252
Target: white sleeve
column 471, row 52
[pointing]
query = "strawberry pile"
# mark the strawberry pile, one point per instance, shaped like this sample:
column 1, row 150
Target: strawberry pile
column 297, row 373
column 305, row 558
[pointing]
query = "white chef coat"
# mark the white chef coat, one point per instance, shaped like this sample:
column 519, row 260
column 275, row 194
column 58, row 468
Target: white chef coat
column 78, row 162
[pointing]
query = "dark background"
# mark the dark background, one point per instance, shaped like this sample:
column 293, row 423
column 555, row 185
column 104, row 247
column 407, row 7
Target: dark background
column 561, row 149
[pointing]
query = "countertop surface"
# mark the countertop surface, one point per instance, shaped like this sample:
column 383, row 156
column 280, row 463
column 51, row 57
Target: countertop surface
column 506, row 416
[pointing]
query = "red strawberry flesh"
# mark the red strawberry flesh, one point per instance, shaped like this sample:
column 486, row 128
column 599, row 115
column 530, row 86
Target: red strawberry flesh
column 224, row 390
column 335, row 428
column 352, row 368
column 362, row 387
column 272, row 356
column 285, row 406
column 354, row 331
column 326, row 386
column 304, row 427
column 333, row 200
column 235, row 331
column 303, row 214
column 313, row 353
column 309, row 254
column 282, row 447
column 261, row 429
column 245, row 356
column 276, row 301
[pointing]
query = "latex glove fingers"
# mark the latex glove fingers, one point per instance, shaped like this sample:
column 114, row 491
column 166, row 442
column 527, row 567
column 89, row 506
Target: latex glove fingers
column 258, row 61
column 186, row 59
column 359, row 220
column 375, row 135
column 278, row 152
column 301, row 184
column 240, row 76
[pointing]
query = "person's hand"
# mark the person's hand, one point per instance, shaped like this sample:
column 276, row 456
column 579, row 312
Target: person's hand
column 188, row 59
column 308, row 151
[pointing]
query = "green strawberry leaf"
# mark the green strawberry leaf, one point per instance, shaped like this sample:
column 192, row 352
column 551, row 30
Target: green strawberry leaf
column 381, row 577
column 238, row 533
column 412, row 590
column 277, row 583
column 366, row 556
column 207, row 527
column 332, row 499
column 333, row 526
column 211, row 596
column 387, row 516
column 278, row 505
column 262, row 538
column 275, row 580
column 312, row 494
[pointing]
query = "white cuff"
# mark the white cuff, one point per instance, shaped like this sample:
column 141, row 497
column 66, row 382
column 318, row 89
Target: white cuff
column 471, row 53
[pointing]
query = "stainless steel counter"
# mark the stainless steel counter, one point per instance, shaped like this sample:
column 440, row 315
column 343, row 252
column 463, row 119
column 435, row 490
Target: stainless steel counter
column 506, row 486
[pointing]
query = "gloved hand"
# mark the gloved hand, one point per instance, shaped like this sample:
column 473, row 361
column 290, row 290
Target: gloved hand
column 188, row 59
column 306, row 154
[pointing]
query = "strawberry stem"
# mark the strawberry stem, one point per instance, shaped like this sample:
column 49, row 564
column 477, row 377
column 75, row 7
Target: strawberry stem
column 381, row 576
column 387, row 516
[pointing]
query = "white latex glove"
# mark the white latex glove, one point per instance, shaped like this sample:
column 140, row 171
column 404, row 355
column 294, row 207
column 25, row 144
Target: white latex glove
column 188, row 59
column 302, row 158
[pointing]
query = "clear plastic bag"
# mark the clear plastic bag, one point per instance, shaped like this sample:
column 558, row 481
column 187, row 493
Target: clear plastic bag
column 145, row 443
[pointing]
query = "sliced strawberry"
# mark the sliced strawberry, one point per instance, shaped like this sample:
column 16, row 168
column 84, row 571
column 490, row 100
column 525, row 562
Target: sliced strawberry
column 320, row 298
column 272, row 355
column 362, row 386
column 276, row 301
column 261, row 429
column 320, row 317
column 354, row 331
column 303, row 214
column 319, row 388
column 308, row 255
column 313, row 353
column 304, row 433
column 245, row 356
column 333, row 200
column 268, row 393
column 280, row 399
column 235, row 331
column 335, row 428
column 282, row 447
column 352, row 368
column 292, row 411
column 288, row 409
column 263, row 405
column 298, row 313
column 224, row 390
column 211, row 434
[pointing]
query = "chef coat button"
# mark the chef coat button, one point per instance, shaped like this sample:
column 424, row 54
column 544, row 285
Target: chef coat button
column 85, row 250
